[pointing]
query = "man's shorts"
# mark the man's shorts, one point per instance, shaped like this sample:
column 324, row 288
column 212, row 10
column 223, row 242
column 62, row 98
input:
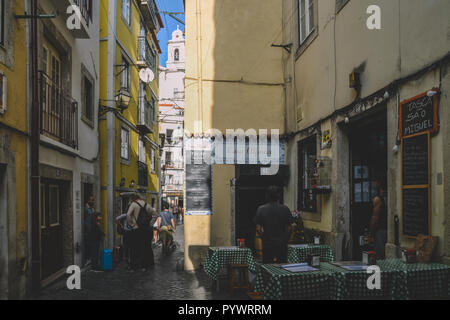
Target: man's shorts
column 166, row 233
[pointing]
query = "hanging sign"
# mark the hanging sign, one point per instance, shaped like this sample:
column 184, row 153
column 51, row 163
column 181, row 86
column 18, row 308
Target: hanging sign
column 419, row 114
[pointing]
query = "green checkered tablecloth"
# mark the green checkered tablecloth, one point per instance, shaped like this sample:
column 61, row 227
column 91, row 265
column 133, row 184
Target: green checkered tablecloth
column 420, row 280
column 399, row 281
column 279, row 284
column 220, row 258
column 354, row 283
column 300, row 254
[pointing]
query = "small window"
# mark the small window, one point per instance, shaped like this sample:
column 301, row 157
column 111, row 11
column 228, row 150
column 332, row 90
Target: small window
column 168, row 158
column 306, row 11
column 126, row 11
column 153, row 160
column 177, row 55
column 307, row 198
column 125, row 78
column 142, row 151
column 3, row 92
column 88, row 99
column 53, row 205
column 125, row 144
column 169, row 135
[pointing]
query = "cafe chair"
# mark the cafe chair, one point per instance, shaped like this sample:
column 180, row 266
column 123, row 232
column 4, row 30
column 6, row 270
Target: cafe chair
column 238, row 276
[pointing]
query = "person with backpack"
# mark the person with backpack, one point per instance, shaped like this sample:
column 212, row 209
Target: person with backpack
column 139, row 218
column 166, row 225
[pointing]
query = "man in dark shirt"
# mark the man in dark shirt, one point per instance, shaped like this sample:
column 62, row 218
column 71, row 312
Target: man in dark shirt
column 378, row 221
column 273, row 222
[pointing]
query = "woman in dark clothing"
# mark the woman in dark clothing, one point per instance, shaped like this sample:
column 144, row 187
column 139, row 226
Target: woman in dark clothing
column 378, row 222
column 96, row 236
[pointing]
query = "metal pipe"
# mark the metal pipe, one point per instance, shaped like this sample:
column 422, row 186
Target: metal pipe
column 35, row 140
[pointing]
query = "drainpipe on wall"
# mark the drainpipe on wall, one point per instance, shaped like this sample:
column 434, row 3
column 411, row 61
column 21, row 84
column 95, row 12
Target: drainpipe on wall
column 35, row 140
column 111, row 122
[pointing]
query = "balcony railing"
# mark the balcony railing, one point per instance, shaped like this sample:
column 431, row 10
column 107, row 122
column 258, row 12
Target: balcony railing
column 142, row 174
column 59, row 113
column 146, row 116
column 149, row 11
column 146, row 53
column 85, row 9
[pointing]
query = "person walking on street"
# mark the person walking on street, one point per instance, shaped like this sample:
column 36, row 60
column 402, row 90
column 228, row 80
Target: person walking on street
column 89, row 212
column 166, row 225
column 273, row 223
column 139, row 217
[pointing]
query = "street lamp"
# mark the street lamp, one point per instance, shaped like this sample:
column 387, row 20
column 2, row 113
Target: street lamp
column 123, row 99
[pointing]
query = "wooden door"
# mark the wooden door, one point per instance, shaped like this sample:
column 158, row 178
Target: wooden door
column 51, row 227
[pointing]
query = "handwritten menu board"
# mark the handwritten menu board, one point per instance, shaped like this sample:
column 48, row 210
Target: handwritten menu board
column 198, row 189
column 415, row 212
column 418, row 114
column 416, row 185
column 415, row 161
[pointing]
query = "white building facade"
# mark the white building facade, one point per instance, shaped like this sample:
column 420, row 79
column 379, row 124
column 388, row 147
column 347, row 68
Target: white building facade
column 171, row 116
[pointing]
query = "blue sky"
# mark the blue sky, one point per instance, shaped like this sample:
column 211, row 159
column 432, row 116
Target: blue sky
column 170, row 24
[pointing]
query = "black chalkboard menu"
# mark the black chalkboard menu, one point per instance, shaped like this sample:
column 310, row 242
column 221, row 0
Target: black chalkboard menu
column 415, row 212
column 418, row 114
column 415, row 160
column 416, row 185
column 198, row 189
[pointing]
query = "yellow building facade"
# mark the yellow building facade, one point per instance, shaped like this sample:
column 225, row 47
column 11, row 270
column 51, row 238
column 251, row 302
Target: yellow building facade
column 234, row 80
column 129, row 136
column 13, row 153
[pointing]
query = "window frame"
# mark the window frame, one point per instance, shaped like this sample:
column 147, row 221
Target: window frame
column 85, row 75
column 126, row 74
column 122, row 130
column 4, row 92
column 304, row 43
column 152, row 160
column 309, row 142
column 127, row 19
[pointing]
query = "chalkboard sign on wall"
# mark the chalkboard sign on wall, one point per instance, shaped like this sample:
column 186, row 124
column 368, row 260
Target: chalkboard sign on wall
column 198, row 189
column 415, row 212
column 418, row 114
column 416, row 185
column 415, row 159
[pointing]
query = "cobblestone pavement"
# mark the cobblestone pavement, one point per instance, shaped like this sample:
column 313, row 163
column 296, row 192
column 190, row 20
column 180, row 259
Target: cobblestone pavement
column 164, row 282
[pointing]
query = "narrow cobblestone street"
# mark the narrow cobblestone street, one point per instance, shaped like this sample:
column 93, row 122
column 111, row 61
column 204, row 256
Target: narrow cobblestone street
column 164, row 282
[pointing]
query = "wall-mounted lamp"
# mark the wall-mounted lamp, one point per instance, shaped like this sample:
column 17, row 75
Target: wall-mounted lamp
column 396, row 147
column 354, row 80
column 123, row 99
column 386, row 95
column 122, row 102
column 122, row 182
column 132, row 184
column 432, row 93
column 347, row 119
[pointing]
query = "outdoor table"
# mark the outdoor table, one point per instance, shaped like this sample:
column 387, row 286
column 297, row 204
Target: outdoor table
column 353, row 284
column 218, row 258
column 299, row 253
column 279, row 284
column 421, row 280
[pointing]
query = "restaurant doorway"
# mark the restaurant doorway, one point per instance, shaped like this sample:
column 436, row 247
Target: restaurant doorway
column 368, row 160
column 250, row 193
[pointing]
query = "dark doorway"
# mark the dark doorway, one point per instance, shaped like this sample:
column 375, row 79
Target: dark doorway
column 51, row 227
column 368, row 159
column 250, row 194
column 88, row 191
